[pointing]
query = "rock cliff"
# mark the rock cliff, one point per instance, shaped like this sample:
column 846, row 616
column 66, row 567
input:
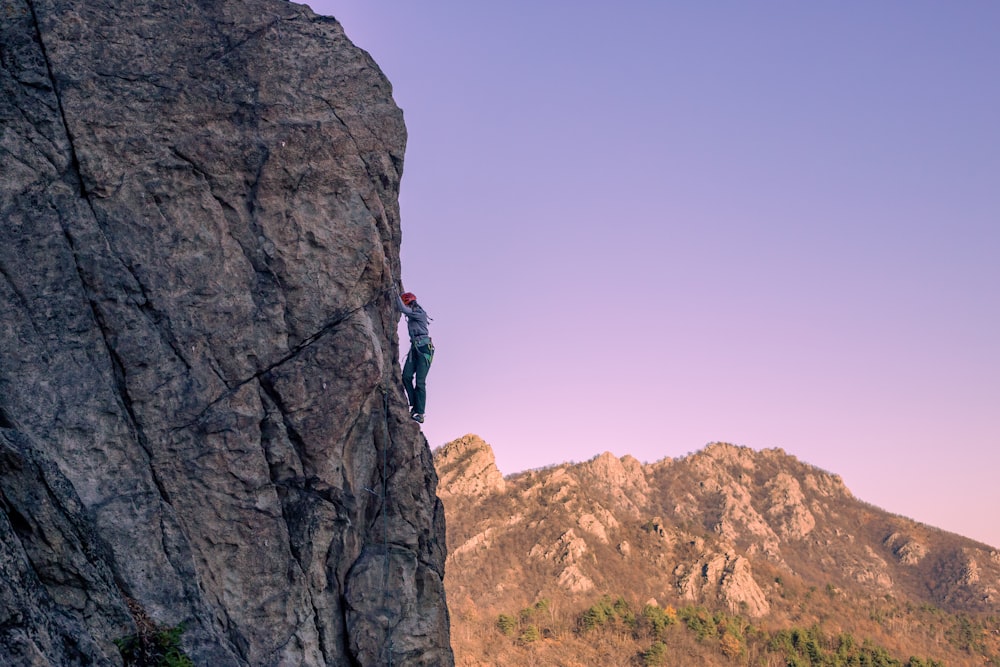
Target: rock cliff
column 201, row 422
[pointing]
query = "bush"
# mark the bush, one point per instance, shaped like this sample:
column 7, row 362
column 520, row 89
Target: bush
column 542, row 606
column 538, row 608
column 506, row 624
column 731, row 646
column 657, row 619
column 597, row 615
column 623, row 612
column 154, row 647
column 699, row 621
column 530, row 634
column 655, row 655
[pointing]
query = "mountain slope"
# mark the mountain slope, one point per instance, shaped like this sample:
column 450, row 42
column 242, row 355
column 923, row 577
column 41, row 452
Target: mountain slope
column 756, row 535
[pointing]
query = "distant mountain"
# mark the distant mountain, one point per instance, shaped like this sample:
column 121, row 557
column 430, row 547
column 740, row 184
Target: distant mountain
column 753, row 539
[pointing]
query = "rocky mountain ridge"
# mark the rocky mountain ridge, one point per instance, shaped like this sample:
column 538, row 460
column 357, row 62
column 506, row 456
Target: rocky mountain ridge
column 740, row 530
column 201, row 420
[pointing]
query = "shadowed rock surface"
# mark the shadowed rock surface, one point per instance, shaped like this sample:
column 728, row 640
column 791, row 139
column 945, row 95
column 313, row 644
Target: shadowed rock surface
column 200, row 410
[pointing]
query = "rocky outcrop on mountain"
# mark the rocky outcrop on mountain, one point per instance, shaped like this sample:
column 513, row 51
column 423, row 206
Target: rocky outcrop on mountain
column 727, row 577
column 201, row 421
column 754, row 533
column 467, row 467
column 623, row 478
column 906, row 550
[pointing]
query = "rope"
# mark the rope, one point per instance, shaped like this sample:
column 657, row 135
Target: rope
column 384, row 497
column 385, row 523
column 385, row 513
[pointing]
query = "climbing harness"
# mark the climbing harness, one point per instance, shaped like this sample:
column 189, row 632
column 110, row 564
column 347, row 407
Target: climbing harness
column 425, row 347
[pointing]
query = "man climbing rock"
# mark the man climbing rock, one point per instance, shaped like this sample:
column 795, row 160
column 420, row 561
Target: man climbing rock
column 418, row 360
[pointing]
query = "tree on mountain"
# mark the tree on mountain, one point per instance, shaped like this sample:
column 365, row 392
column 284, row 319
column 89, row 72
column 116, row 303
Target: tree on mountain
column 655, row 655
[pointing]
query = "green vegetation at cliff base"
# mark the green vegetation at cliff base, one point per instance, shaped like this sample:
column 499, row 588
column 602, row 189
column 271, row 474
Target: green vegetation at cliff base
column 658, row 636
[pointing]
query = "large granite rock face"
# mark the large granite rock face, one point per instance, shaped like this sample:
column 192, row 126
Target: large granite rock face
column 200, row 414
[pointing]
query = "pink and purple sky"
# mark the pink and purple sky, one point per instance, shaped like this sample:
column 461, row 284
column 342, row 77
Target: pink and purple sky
column 641, row 227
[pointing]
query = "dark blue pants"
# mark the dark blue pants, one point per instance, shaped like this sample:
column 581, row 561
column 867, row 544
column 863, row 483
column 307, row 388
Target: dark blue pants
column 418, row 363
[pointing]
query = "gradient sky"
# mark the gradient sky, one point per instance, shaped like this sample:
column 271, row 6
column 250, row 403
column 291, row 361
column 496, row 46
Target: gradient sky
column 642, row 226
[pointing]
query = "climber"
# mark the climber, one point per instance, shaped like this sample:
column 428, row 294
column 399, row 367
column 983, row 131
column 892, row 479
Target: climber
column 418, row 360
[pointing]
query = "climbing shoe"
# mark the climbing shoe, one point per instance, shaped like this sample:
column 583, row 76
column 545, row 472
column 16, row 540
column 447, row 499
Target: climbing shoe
column 417, row 417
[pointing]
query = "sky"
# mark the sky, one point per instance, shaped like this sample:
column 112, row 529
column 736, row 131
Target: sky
column 643, row 226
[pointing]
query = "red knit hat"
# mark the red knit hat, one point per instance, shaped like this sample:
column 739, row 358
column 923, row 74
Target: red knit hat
column 408, row 298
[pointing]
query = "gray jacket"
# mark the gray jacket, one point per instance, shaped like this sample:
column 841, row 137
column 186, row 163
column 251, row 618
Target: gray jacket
column 416, row 321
